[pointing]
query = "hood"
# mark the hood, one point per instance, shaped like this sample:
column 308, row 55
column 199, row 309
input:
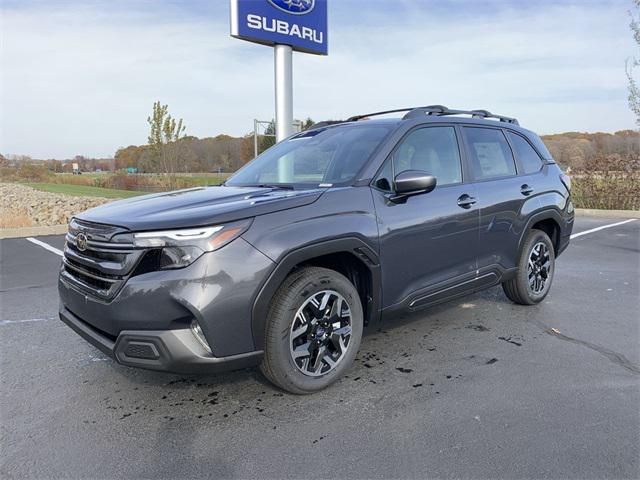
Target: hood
column 197, row 206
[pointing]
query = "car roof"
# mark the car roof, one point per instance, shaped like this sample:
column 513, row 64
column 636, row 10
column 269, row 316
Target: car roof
column 429, row 113
column 493, row 121
column 416, row 121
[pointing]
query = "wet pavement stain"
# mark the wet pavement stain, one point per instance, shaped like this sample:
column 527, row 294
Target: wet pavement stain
column 509, row 339
column 404, row 370
column 478, row 328
column 205, row 403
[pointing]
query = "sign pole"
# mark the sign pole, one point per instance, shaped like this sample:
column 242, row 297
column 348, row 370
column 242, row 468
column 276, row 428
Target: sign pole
column 283, row 56
column 286, row 25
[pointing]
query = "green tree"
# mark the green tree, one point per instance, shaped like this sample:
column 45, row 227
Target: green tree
column 633, row 63
column 307, row 124
column 165, row 133
column 268, row 139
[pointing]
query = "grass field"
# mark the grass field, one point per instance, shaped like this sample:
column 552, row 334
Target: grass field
column 139, row 182
column 84, row 190
column 204, row 180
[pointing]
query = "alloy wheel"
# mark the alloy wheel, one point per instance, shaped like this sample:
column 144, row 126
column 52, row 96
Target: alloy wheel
column 320, row 333
column 539, row 268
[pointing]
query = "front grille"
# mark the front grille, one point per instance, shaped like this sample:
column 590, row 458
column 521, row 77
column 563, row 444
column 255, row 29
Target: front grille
column 101, row 261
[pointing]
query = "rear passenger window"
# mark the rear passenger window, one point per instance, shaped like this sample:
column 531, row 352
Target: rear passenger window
column 529, row 158
column 489, row 153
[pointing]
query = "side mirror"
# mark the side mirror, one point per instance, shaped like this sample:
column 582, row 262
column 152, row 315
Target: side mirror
column 412, row 182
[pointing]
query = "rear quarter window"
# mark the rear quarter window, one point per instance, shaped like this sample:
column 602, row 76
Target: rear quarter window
column 529, row 158
column 540, row 146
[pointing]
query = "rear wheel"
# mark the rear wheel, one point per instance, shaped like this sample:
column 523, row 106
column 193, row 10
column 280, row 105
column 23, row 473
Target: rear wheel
column 314, row 328
column 536, row 266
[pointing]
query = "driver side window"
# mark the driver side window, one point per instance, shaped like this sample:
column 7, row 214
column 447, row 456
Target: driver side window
column 433, row 150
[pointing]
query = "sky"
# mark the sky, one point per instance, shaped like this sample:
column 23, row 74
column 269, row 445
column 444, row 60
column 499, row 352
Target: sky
column 79, row 77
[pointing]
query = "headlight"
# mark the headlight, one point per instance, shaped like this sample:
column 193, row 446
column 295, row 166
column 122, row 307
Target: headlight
column 179, row 248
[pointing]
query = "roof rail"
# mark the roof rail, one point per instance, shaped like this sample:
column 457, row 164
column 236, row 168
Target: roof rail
column 439, row 110
column 355, row 118
column 326, row 123
column 436, row 110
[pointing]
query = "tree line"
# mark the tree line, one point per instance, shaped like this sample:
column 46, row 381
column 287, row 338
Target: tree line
column 222, row 153
column 595, row 151
column 170, row 151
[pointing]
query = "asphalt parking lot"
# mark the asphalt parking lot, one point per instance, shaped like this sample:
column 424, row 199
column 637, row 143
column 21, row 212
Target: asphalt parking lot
column 477, row 388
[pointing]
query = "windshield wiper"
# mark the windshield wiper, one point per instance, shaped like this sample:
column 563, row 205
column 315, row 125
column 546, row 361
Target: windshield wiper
column 280, row 186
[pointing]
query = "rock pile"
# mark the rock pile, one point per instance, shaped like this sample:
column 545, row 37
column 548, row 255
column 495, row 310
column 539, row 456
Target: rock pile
column 22, row 206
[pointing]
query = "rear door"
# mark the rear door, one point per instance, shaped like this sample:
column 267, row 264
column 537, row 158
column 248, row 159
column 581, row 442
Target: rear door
column 428, row 243
column 501, row 195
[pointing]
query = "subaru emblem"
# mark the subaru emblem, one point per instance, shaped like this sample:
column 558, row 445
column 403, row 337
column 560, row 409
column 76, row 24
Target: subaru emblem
column 295, row 7
column 81, row 241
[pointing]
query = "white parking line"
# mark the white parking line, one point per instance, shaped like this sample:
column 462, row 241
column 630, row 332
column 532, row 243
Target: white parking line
column 9, row 322
column 597, row 229
column 46, row 246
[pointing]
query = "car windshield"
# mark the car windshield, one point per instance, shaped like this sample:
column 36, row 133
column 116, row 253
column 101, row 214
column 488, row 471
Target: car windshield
column 320, row 157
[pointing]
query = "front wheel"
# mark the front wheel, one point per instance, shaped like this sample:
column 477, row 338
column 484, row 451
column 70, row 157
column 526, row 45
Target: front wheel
column 535, row 270
column 313, row 333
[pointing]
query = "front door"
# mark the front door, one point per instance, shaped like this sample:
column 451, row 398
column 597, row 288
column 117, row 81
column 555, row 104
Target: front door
column 428, row 244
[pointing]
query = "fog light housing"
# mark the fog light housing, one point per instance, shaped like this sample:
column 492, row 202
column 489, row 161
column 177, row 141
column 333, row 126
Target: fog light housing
column 197, row 332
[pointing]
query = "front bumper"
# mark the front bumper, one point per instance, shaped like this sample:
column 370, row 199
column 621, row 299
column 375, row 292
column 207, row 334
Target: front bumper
column 217, row 291
column 175, row 351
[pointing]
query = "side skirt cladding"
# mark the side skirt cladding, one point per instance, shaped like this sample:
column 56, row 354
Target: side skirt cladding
column 361, row 253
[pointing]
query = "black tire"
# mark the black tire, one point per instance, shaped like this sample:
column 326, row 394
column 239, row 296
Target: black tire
column 520, row 289
column 299, row 289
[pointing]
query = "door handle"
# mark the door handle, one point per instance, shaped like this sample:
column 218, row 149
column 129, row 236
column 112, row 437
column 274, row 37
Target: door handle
column 526, row 189
column 465, row 201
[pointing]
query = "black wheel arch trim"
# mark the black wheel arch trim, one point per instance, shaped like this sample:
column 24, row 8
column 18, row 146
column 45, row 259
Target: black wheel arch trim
column 353, row 245
column 548, row 214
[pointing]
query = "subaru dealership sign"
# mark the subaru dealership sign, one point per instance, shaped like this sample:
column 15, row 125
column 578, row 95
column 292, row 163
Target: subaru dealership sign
column 302, row 24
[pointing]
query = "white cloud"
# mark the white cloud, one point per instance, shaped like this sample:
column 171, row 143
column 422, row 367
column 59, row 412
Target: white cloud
column 81, row 79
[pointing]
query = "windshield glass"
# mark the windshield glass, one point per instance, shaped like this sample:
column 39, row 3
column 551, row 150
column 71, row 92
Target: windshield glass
column 325, row 157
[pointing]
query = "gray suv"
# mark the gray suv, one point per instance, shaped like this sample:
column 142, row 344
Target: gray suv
column 336, row 228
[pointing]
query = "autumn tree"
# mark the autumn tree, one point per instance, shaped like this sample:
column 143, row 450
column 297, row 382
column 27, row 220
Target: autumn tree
column 634, row 62
column 246, row 149
column 165, row 133
column 54, row 165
